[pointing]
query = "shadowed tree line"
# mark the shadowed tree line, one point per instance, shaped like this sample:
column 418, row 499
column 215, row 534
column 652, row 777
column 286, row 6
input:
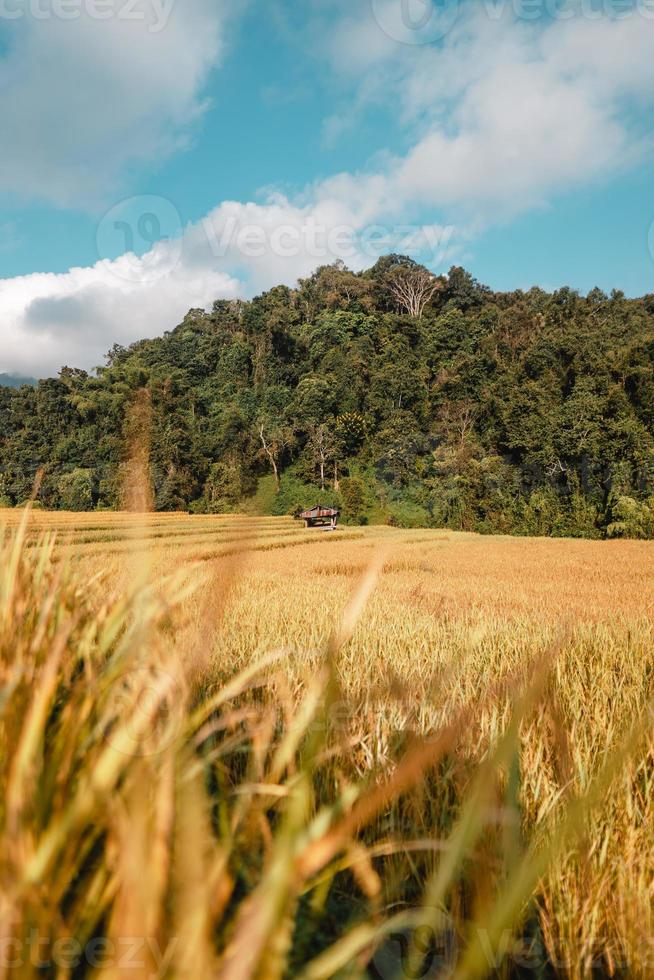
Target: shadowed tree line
column 402, row 397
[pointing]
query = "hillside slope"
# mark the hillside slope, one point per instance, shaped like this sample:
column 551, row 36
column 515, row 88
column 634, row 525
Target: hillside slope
column 522, row 412
column 15, row 381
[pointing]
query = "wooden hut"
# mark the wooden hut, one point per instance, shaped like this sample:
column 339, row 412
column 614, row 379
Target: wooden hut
column 320, row 516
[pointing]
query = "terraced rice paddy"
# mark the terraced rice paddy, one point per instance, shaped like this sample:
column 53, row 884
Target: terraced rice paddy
column 534, row 656
column 199, row 537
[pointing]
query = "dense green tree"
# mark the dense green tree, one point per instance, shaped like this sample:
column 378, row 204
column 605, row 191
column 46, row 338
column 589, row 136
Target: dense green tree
column 76, row 490
column 353, row 495
column 425, row 401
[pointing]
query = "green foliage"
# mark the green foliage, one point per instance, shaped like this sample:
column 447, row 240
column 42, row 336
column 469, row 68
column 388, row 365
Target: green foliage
column 350, row 431
column 632, row 519
column 296, row 494
column 76, row 490
column 264, row 498
column 540, row 513
column 224, row 488
column 5, row 499
column 353, row 495
column 405, row 513
column 523, row 412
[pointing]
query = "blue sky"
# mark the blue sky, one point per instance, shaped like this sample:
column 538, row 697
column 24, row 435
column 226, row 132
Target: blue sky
column 513, row 138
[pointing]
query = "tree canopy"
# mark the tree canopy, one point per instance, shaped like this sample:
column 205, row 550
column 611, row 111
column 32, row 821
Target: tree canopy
column 400, row 396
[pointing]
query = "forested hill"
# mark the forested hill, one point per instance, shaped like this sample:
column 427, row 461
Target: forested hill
column 412, row 401
column 15, row 380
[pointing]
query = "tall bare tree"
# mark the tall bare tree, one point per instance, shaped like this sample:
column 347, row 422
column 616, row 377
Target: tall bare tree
column 412, row 288
column 322, row 444
column 275, row 440
column 458, row 420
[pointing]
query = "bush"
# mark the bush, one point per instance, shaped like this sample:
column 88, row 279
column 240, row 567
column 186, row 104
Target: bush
column 224, row 487
column 353, row 495
column 407, row 514
column 541, row 514
column 631, row 519
column 296, row 494
column 75, row 490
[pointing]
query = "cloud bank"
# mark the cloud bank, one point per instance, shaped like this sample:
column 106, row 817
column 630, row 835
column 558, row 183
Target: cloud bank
column 86, row 98
column 499, row 117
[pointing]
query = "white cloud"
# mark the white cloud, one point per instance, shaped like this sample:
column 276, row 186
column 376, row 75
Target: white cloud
column 500, row 117
column 524, row 134
column 505, row 113
column 47, row 320
column 85, row 99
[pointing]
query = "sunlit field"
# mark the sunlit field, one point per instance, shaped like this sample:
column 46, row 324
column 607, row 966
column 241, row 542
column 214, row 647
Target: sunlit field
column 261, row 751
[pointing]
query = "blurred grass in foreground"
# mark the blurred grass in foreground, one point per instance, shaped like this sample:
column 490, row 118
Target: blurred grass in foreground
column 167, row 813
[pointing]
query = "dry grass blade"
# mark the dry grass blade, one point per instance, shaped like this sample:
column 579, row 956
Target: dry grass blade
column 263, row 815
column 486, row 936
column 263, row 927
column 357, row 941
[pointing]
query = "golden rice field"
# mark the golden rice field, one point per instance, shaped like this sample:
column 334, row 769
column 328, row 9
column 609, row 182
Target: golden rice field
column 256, row 751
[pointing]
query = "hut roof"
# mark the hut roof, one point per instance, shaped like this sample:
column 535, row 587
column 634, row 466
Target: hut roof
column 319, row 511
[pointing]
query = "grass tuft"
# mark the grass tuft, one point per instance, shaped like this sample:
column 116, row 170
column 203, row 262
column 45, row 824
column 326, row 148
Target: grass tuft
column 382, row 757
